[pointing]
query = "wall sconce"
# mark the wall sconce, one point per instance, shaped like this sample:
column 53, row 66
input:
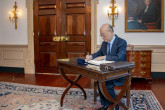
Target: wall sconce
column 13, row 15
column 113, row 12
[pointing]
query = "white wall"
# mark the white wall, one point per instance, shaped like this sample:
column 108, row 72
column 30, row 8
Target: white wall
column 135, row 38
column 8, row 34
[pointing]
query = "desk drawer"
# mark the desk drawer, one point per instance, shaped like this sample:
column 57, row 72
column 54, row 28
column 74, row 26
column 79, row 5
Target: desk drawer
column 143, row 65
column 141, row 73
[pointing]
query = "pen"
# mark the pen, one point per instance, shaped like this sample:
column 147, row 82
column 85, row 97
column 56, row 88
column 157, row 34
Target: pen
column 87, row 53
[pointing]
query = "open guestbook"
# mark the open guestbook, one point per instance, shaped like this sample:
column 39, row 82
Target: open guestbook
column 98, row 62
column 111, row 65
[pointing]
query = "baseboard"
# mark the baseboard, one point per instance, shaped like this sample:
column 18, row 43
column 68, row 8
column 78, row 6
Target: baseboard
column 158, row 74
column 11, row 69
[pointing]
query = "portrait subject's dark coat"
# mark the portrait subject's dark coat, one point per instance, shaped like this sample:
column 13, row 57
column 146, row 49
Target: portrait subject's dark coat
column 150, row 16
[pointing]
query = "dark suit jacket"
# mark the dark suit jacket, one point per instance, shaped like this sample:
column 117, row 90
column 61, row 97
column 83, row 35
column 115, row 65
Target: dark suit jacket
column 150, row 16
column 118, row 53
column 118, row 50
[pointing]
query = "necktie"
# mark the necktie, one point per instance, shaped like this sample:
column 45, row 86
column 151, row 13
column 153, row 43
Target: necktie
column 109, row 49
column 146, row 9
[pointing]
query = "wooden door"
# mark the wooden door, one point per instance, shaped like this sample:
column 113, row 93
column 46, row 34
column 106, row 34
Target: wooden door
column 54, row 20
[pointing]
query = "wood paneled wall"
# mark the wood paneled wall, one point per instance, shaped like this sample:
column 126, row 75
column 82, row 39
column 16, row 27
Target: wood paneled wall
column 13, row 55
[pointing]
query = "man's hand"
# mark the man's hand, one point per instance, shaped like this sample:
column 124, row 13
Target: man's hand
column 100, row 58
column 88, row 57
column 139, row 21
column 130, row 18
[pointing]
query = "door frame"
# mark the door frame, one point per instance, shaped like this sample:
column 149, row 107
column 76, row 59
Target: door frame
column 29, row 61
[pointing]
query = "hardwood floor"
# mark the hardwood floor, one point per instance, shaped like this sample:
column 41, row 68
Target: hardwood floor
column 157, row 86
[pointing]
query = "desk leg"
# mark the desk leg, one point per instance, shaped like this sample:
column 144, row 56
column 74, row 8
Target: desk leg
column 95, row 91
column 70, row 85
column 116, row 101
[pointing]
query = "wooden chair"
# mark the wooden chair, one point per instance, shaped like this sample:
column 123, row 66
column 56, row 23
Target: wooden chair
column 118, row 87
column 127, row 96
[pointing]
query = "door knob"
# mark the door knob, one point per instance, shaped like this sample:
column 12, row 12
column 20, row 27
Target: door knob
column 64, row 38
column 56, row 38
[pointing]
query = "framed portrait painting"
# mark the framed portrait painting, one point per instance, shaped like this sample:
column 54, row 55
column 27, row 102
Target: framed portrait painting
column 144, row 15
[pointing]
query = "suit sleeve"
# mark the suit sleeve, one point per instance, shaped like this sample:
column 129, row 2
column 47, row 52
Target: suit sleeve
column 99, row 52
column 120, row 54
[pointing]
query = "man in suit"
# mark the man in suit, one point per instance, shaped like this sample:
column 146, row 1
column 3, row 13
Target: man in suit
column 149, row 13
column 113, row 48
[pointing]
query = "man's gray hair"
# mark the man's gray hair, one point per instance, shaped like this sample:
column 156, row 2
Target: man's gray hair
column 149, row 0
column 110, row 28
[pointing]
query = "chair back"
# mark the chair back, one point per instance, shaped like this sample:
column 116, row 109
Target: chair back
column 131, row 51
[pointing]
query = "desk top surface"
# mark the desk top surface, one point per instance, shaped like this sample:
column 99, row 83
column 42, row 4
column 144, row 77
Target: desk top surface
column 89, row 67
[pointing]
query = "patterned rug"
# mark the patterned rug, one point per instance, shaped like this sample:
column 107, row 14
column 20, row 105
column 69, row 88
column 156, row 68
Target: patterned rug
column 15, row 96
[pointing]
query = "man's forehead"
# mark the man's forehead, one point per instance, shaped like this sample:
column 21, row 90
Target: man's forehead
column 102, row 30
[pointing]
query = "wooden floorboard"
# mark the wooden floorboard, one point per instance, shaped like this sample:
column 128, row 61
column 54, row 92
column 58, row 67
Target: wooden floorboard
column 157, row 86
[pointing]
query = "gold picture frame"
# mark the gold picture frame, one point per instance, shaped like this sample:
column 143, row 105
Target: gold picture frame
column 144, row 15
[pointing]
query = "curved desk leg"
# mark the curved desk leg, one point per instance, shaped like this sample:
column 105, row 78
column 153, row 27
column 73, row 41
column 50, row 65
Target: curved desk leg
column 116, row 101
column 70, row 85
column 128, row 99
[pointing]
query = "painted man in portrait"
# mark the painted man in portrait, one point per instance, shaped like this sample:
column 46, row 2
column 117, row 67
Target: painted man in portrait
column 142, row 14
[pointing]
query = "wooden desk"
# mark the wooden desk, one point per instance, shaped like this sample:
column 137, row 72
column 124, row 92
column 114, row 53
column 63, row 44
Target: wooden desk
column 94, row 72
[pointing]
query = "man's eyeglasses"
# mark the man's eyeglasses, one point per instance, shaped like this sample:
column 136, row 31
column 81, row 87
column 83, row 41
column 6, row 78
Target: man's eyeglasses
column 102, row 35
